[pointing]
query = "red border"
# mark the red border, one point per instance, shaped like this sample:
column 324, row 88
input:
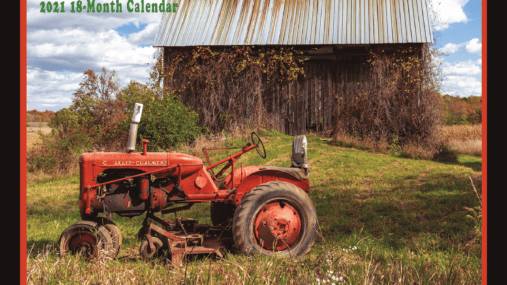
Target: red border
column 22, row 151
column 484, row 144
column 22, row 140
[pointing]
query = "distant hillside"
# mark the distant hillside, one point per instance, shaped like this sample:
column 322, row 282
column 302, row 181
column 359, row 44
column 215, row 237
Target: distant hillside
column 38, row 116
column 462, row 110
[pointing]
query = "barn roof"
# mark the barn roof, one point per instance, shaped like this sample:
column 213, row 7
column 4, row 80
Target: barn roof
column 294, row 22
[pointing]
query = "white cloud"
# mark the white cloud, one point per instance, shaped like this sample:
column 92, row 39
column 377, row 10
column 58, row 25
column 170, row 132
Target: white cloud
column 462, row 86
column 446, row 12
column 462, row 68
column 449, row 48
column 462, row 78
column 107, row 49
column 145, row 36
column 474, row 46
column 50, row 90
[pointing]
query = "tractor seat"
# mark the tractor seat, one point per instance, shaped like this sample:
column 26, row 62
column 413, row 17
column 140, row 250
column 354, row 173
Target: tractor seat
column 299, row 161
column 297, row 172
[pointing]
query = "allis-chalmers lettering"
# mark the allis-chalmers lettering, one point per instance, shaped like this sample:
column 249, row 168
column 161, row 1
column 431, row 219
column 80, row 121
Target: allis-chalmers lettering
column 140, row 163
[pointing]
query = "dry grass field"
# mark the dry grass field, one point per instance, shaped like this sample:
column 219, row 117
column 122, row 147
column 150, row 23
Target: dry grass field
column 466, row 139
column 32, row 132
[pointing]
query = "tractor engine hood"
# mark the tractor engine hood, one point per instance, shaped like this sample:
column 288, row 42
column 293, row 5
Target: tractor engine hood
column 94, row 163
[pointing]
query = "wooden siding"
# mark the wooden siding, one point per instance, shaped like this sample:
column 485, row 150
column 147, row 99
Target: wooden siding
column 313, row 101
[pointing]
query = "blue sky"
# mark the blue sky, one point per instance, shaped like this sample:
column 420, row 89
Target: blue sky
column 61, row 46
column 461, row 41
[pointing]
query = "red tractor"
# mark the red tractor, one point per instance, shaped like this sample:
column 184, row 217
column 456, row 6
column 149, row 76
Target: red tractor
column 256, row 209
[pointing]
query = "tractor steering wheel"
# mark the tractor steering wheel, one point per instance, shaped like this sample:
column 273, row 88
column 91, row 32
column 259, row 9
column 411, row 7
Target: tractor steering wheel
column 258, row 143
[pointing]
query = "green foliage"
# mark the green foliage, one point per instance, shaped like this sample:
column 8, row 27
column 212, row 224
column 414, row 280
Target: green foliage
column 394, row 147
column 166, row 121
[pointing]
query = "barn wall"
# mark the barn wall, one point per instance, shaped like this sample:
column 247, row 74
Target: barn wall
column 331, row 81
column 312, row 103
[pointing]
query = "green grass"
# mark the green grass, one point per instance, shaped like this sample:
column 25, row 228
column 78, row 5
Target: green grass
column 400, row 221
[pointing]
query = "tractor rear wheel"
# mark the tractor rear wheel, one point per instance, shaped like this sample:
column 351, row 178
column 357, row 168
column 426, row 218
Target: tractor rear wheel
column 275, row 218
column 88, row 238
column 221, row 214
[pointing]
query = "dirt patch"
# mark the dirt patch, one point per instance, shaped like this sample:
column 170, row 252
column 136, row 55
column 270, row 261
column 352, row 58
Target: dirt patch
column 422, row 177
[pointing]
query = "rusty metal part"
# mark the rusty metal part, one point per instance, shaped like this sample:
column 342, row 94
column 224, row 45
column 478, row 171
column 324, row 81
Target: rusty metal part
column 200, row 181
column 205, row 151
column 267, row 175
column 145, row 142
column 234, row 156
column 87, row 238
column 309, row 22
column 150, row 243
column 195, row 239
column 174, row 210
column 144, row 187
column 239, row 175
column 82, row 241
column 179, row 224
column 277, row 225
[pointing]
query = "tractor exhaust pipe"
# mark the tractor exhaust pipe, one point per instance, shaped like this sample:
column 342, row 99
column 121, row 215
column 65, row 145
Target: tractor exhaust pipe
column 136, row 118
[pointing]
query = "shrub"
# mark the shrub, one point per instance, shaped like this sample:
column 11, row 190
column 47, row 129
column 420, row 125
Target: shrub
column 445, row 153
column 166, row 121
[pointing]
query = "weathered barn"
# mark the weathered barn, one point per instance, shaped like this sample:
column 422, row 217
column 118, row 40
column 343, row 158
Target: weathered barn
column 335, row 34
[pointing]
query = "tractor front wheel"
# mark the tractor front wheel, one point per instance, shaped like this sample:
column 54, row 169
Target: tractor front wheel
column 113, row 230
column 275, row 218
column 87, row 238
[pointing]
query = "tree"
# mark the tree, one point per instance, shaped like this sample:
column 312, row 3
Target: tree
column 95, row 112
column 96, row 100
column 103, row 86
